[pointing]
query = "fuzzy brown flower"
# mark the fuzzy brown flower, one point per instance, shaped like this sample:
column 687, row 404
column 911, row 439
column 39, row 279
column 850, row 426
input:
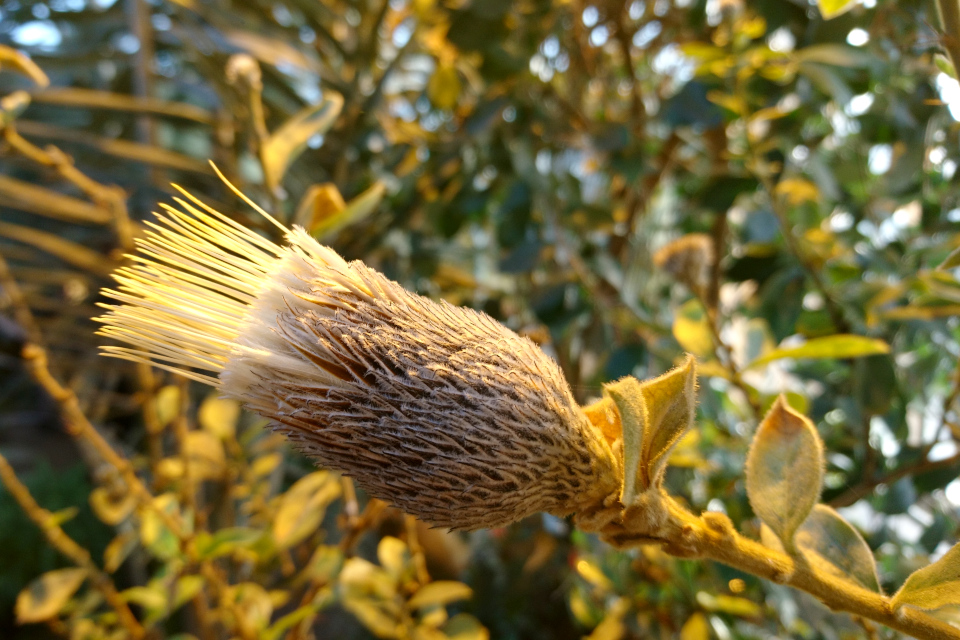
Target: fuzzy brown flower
column 438, row 409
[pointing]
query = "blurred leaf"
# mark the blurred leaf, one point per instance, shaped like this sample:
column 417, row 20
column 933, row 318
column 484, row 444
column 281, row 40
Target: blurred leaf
column 252, row 604
column 797, row 191
column 695, row 628
column 361, row 578
column 374, row 617
column 356, row 210
column 732, row 605
column 439, row 592
column 325, row 564
column 594, row 575
column 839, row 55
column 155, row 536
column 219, row 416
column 119, row 550
column 934, row 586
column 837, row 346
column 167, row 403
column 287, row 143
column 784, row 470
column 45, row 596
column 112, row 509
column 444, row 87
column 691, row 328
column 830, row 9
column 464, row 626
column 78, row 97
column 205, row 454
column 394, row 556
column 302, row 507
column 828, row 541
column 225, row 541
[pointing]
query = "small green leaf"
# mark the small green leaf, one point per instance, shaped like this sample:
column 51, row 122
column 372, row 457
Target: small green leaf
column 830, row 9
column 827, row 540
column 784, row 470
column 289, row 141
column 837, row 346
column 441, row 592
column 934, row 586
column 43, row 598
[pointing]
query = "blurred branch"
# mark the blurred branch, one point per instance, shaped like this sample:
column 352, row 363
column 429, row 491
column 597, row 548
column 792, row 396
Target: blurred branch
column 21, row 310
column 93, row 99
column 63, row 543
column 866, row 486
column 949, row 11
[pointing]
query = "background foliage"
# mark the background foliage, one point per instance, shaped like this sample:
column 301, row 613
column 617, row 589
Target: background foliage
column 533, row 160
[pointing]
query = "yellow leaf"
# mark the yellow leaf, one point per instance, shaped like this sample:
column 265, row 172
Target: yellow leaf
column 830, row 9
column 110, row 508
column 252, row 604
column 831, row 543
column 302, row 507
column 440, row 592
column 934, row 586
column 219, row 416
column 444, row 87
column 837, row 346
column 393, row 556
column 375, row 617
column 265, row 464
column 691, row 328
column 118, row 550
column 204, row 452
column 592, row 574
column 695, row 628
column 732, row 605
column 796, row 191
column 43, row 598
column 361, row 578
column 167, row 402
column 464, row 626
column 351, row 213
column 784, row 470
column 287, row 143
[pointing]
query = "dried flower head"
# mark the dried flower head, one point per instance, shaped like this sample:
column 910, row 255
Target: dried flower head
column 438, row 409
column 688, row 259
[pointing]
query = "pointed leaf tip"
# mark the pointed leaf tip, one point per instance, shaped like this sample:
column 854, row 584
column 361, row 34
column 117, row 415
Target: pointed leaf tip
column 934, row 586
column 784, row 470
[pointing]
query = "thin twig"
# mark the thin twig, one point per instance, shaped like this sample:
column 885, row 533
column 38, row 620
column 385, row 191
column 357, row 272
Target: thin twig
column 63, row 543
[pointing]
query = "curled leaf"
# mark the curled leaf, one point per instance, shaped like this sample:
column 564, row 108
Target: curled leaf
column 784, row 470
column 43, row 598
column 289, row 141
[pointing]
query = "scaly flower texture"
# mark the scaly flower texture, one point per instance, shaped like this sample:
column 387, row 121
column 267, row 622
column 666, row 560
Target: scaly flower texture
column 438, row 409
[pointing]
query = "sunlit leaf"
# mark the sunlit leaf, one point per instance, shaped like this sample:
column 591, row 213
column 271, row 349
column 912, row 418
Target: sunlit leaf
column 394, row 556
column 464, row 626
column 219, row 416
column 155, row 536
column 828, row 541
column 167, row 403
column 361, row 578
column 691, row 328
column 832, row 8
column 302, row 507
column 374, row 617
column 205, row 454
column 119, row 550
column 733, row 605
column 112, row 509
column 594, row 575
column 784, row 470
column 839, row 55
column 837, row 346
column 287, row 143
column 695, row 628
column 354, row 211
column 45, row 596
column 933, row 586
column 797, row 191
column 225, row 541
column 439, row 592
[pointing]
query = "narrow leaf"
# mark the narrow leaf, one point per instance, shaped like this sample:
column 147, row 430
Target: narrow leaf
column 627, row 396
column 828, row 541
column 356, row 210
column 837, row 346
column 440, row 592
column 934, row 586
column 43, row 598
column 289, row 141
column 784, row 470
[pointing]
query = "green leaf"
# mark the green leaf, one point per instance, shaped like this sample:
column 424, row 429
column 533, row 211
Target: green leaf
column 43, row 598
column 464, row 626
column 837, row 346
column 784, row 470
column 828, row 541
column 441, row 592
column 934, row 586
column 950, row 261
column 655, row 414
column 226, row 541
column 287, row 143
column 356, row 210
column 838, row 55
column 302, row 507
column 830, row 9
